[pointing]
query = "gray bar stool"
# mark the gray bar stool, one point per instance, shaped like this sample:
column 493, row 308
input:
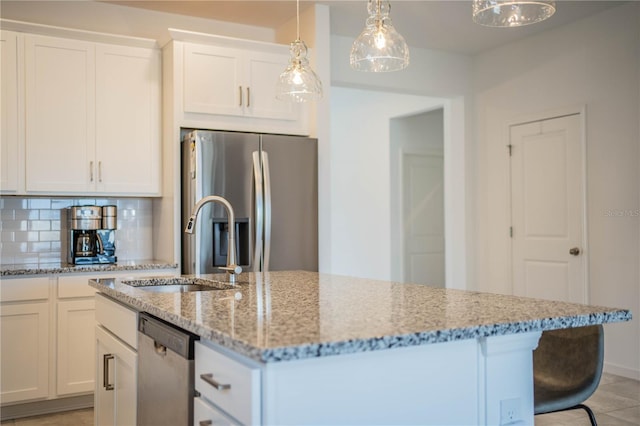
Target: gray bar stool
column 567, row 365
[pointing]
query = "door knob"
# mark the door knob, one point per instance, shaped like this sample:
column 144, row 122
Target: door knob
column 574, row 251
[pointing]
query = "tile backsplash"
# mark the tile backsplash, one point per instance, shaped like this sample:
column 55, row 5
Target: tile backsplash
column 30, row 228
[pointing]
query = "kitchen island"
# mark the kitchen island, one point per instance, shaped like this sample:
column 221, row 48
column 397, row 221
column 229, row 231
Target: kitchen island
column 342, row 350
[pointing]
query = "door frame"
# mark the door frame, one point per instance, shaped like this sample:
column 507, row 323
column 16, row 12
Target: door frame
column 581, row 111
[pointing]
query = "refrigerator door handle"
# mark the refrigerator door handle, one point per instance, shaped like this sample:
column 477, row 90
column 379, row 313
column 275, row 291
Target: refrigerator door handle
column 259, row 213
column 267, row 209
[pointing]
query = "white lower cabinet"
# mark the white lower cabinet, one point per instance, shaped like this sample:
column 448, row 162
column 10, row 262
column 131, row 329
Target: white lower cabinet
column 229, row 389
column 75, row 323
column 205, row 414
column 48, row 337
column 115, row 400
column 24, row 330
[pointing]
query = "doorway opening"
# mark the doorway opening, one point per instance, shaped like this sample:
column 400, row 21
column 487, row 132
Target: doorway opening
column 417, row 170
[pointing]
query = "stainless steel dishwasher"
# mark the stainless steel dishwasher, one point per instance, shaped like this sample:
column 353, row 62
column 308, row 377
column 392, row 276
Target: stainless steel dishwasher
column 165, row 373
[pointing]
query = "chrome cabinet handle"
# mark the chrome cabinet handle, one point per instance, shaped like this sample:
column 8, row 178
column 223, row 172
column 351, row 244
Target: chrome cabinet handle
column 574, row 251
column 240, row 93
column 219, row 386
column 248, row 97
column 205, row 423
column 90, row 171
column 105, row 371
column 100, row 171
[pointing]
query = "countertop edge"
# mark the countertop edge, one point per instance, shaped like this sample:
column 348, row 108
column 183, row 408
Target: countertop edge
column 316, row 350
column 141, row 265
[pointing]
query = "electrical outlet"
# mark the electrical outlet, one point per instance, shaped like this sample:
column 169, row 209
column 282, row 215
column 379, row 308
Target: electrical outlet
column 509, row 411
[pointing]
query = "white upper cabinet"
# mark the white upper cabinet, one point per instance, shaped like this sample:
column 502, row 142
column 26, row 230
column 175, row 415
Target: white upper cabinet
column 9, row 144
column 226, row 81
column 229, row 84
column 128, row 119
column 60, row 115
column 93, row 118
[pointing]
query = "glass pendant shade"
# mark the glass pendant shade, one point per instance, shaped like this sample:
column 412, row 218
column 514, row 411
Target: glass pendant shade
column 379, row 48
column 298, row 82
column 511, row 13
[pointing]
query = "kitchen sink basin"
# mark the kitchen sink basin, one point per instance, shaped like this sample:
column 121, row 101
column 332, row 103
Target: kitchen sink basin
column 176, row 284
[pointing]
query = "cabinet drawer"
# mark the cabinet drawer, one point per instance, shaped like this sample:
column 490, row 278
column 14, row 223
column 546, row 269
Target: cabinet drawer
column 118, row 319
column 76, row 286
column 206, row 414
column 241, row 395
column 21, row 289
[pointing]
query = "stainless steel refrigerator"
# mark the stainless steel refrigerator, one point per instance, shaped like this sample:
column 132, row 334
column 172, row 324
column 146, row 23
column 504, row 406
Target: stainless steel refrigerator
column 272, row 183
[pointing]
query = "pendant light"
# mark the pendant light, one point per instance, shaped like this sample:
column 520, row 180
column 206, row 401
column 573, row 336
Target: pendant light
column 379, row 48
column 511, row 13
column 298, row 82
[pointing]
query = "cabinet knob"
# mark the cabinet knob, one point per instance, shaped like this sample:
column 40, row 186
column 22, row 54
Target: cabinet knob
column 240, row 93
column 248, row 97
column 90, row 171
column 574, row 251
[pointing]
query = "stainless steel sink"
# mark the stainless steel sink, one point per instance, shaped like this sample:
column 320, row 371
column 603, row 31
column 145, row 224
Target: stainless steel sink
column 176, row 284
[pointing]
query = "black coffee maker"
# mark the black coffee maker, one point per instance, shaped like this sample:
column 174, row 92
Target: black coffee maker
column 89, row 234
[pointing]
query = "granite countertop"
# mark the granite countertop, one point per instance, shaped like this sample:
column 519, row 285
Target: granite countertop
column 289, row 315
column 63, row 268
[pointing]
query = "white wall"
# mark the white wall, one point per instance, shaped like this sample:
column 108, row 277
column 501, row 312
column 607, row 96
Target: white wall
column 421, row 133
column 434, row 74
column 360, row 177
column 596, row 63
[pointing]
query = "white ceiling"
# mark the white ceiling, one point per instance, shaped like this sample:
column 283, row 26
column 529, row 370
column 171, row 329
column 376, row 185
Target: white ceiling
column 434, row 24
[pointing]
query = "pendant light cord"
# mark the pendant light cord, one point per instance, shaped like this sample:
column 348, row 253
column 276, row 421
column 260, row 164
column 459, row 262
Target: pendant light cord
column 297, row 19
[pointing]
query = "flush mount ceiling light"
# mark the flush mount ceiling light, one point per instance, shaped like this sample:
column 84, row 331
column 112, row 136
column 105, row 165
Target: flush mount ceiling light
column 511, row 13
column 298, row 82
column 379, row 48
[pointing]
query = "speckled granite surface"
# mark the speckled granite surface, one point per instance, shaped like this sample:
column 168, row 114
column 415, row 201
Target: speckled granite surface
column 281, row 316
column 60, row 268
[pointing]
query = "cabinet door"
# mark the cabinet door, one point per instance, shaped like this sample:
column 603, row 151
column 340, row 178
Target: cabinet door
column 76, row 349
column 213, row 80
column 9, row 111
column 263, row 70
column 128, row 120
column 115, row 396
column 24, row 361
column 60, row 114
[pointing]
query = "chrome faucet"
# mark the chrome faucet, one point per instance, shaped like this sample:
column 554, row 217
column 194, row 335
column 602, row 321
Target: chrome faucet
column 232, row 268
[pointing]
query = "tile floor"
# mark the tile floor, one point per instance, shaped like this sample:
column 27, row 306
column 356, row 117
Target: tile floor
column 616, row 402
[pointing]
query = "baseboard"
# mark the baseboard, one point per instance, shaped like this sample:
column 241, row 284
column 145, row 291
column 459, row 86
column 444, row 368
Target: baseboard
column 621, row 371
column 37, row 408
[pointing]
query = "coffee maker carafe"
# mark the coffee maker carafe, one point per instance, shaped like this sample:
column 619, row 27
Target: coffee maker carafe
column 90, row 234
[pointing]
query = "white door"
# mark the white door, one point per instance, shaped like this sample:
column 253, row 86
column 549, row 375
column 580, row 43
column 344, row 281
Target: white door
column 547, row 196
column 423, row 218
